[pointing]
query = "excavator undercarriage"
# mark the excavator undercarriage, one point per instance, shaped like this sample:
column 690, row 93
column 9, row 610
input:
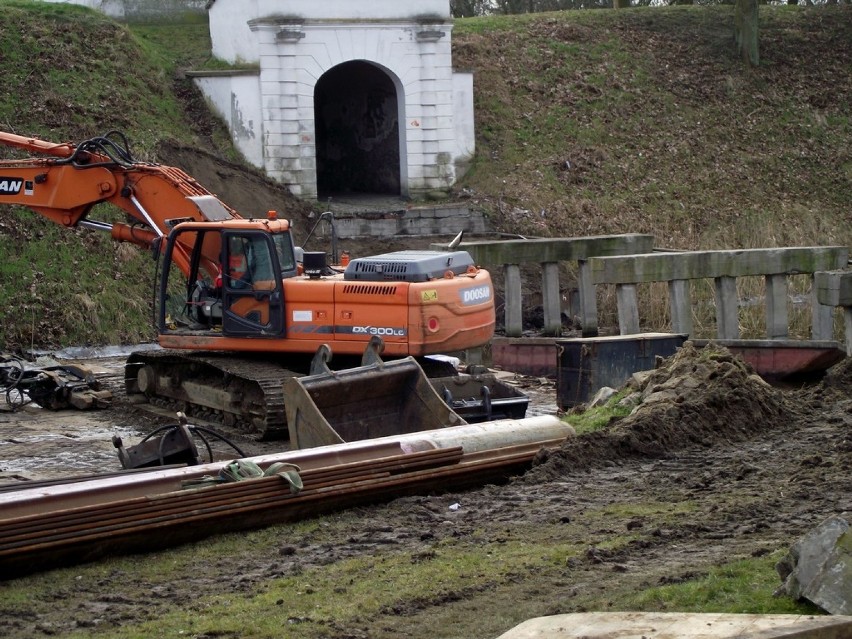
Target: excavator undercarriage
column 256, row 396
column 243, row 394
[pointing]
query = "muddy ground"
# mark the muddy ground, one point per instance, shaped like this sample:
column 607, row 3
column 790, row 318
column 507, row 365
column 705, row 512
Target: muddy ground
column 757, row 465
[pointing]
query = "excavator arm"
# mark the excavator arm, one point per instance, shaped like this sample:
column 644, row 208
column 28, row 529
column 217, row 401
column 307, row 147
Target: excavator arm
column 64, row 185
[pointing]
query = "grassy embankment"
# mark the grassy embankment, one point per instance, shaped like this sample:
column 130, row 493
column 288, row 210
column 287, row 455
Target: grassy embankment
column 71, row 74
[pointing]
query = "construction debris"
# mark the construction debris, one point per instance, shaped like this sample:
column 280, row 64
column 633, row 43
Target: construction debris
column 171, row 444
column 52, row 387
column 818, row 567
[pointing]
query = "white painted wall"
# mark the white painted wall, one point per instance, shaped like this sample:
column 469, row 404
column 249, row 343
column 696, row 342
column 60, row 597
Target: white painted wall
column 465, row 142
column 235, row 44
column 130, row 9
column 235, row 97
column 113, row 8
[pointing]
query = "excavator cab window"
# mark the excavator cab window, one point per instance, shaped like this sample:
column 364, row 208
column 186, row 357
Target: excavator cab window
column 252, row 292
column 188, row 296
column 230, row 282
column 286, row 254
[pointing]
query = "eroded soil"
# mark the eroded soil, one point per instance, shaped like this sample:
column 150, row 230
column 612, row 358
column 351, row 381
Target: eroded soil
column 713, row 465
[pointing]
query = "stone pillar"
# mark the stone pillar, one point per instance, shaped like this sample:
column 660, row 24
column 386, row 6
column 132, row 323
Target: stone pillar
column 628, row 309
column 727, row 308
column 287, row 107
column 822, row 317
column 680, row 306
column 513, row 312
column 588, row 300
column 776, row 307
column 551, row 299
column 847, row 327
column 430, row 134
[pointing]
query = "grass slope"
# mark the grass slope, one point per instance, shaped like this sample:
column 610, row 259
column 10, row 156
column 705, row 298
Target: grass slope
column 646, row 121
column 72, row 74
column 587, row 123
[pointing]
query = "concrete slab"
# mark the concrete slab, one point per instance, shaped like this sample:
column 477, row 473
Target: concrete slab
column 674, row 625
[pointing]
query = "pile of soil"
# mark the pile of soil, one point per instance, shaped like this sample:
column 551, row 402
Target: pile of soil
column 249, row 191
column 696, row 397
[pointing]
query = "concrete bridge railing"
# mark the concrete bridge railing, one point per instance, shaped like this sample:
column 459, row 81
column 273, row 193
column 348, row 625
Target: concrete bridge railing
column 511, row 254
column 627, row 260
column 724, row 267
column 834, row 288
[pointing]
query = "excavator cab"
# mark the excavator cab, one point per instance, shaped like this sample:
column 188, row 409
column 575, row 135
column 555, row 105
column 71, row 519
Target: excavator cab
column 234, row 281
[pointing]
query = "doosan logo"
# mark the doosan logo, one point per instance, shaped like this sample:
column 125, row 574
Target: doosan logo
column 476, row 295
column 10, row 186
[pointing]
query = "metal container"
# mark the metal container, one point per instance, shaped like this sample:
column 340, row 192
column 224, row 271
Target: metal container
column 585, row 365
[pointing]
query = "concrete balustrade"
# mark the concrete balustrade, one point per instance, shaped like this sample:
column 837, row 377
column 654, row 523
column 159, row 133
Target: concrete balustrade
column 548, row 252
column 626, row 261
column 679, row 268
column 834, row 288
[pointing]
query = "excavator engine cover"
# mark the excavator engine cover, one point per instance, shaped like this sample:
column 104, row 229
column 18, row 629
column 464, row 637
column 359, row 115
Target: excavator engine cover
column 379, row 399
column 408, row 266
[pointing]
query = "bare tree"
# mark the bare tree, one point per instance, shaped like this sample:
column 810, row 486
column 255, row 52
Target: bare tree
column 745, row 30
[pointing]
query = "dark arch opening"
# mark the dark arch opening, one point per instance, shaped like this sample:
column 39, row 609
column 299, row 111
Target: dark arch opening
column 357, row 131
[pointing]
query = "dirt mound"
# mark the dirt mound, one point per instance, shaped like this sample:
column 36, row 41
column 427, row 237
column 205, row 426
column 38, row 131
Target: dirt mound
column 839, row 378
column 696, row 397
column 251, row 193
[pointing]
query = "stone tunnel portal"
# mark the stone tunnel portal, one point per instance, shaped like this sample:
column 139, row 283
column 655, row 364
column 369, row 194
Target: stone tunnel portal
column 356, row 114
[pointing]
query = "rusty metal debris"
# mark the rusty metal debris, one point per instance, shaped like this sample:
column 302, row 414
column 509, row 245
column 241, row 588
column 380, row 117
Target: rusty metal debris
column 52, row 387
column 51, row 526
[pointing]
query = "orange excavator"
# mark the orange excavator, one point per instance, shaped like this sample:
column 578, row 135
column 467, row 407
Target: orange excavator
column 239, row 308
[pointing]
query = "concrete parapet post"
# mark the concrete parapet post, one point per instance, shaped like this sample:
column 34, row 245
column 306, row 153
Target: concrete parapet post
column 514, row 317
column 727, row 308
column 551, row 299
column 628, row 309
column 588, row 300
column 834, row 288
column 680, row 306
column 847, row 327
column 822, row 323
column 776, row 307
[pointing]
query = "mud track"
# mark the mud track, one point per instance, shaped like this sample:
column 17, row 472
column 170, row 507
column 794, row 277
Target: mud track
column 704, row 472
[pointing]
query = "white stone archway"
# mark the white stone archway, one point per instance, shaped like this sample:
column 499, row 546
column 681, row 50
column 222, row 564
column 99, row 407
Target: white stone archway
column 360, row 146
column 290, row 45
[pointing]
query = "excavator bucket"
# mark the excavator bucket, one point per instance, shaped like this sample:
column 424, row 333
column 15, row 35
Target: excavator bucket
column 376, row 399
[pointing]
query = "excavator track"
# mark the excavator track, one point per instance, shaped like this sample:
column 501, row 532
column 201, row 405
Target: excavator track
column 242, row 393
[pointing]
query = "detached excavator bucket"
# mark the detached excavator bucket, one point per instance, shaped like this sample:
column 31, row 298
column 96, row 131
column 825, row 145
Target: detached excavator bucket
column 377, row 399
